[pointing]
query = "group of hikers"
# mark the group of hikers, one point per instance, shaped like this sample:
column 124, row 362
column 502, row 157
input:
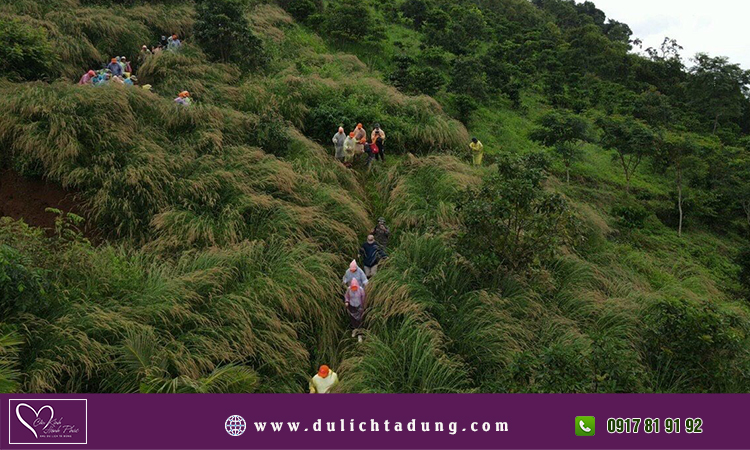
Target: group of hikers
column 355, row 280
column 348, row 147
column 356, row 143
column 120, row 70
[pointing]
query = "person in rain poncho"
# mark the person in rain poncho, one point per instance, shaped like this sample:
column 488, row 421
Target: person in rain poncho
column 338, row 144
column 101, row 79
column 174, row 43
column 477, row 151
column 354, row 272
column 350, row 145
column 127, row 67
column 143, row 55
column 382, row 233
column 371, row 254
column 372, row 153
column 184, row 99
column 115, row 68
column 323, row 381
column 87, row 78
column 378, row 137
column 359, row 135
column 130, row 80
column 354, row 299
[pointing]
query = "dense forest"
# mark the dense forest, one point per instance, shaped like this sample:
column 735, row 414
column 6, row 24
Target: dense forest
column 601, row 247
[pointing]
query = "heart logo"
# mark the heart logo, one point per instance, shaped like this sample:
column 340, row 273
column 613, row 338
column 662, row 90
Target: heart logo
column 36, row 413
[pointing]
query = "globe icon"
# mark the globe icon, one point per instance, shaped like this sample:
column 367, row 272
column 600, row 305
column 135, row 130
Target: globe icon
column 235, row 425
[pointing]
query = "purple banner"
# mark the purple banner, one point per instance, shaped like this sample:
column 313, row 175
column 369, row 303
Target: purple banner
column 253, row 421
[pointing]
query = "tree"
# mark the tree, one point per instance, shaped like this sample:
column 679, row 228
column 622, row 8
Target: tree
column 631, row 139
column 564, row 131
column 511, row 221
column 25, row 52
column 460, row 35
column 468, row 77
column 302, row 9
column 718, row 88
column 350, row 21
column 678, row 152
column 224, row 32
column 417, row 11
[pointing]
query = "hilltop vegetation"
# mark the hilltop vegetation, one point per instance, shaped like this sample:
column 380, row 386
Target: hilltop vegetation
column 598, row 251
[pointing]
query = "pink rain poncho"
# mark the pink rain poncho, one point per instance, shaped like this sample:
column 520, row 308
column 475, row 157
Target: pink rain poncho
column 355, row 304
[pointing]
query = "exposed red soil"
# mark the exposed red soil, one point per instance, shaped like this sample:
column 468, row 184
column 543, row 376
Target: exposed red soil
column 27, row 199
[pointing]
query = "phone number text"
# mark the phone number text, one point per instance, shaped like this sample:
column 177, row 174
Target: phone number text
column 654, row 426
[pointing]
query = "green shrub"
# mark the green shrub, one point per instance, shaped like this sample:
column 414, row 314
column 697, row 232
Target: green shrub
column 302, row 9
column 699, row 343
column 510, row 220
column 25, row 52
column 351, row 21
column 631, row 216
column 9, row 351
column 224, row 33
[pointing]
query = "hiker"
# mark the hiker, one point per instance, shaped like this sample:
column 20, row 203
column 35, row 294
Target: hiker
column 372, row 152
column 115, row 67
column 143, row 56
column 323, row 381
column 130, row 80
column 382, row 233
column 378, row 136
column 156, row 49
column 338, row 144
column 371, row 254
column 87, row 78
column 102, row 78
column 184, row 99
column 350, row 145
column 127, row 67
column 355, row 305
column 477, row 151
column 355, row 273
column 122, row 64
column 174, row 43
column 360, row 135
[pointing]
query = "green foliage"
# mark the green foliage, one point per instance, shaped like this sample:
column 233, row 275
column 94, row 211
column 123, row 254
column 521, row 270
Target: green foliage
column 25, row 52
column 511, row 222
column 630, row 139
column 460, row 33
column 301, row 10
column 224, row 33
column 226, row 224
column 697, row 342
column 718, row 88
column 743, row 261
column 351, row 21
column 9, row 350
column 564, row 132
column 631, row 216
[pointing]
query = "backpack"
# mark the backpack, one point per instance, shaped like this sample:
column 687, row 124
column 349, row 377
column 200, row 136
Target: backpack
column 375, row 149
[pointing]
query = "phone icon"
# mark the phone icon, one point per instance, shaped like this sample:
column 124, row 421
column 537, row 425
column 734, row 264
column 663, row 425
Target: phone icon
column 585, row 426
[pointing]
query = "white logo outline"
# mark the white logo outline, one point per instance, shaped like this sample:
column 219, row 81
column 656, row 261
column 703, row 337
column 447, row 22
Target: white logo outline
column 26, row 424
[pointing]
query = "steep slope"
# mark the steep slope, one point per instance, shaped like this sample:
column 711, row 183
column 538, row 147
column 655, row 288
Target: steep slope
column 228, row 223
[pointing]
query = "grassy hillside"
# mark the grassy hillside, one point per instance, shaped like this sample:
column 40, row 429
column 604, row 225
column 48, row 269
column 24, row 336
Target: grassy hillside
column 225, row 227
